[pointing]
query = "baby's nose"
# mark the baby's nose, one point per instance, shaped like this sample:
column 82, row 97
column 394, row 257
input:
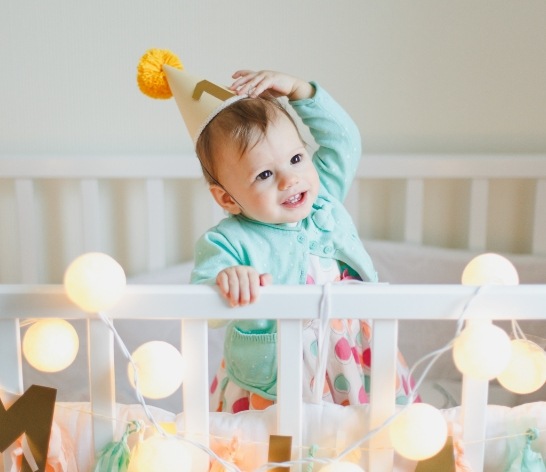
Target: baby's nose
column 288, row 180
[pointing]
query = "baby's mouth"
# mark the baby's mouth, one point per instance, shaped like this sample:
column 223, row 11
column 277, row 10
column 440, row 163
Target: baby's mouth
column 294, row 200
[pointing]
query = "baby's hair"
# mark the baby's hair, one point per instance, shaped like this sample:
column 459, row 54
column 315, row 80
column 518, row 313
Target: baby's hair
column 243, row 123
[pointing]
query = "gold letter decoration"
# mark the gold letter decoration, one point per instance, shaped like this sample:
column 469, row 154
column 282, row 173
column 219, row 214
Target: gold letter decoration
column 31, row 414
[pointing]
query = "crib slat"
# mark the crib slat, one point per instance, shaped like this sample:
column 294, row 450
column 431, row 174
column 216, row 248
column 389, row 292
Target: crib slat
column 195, row 387
column 91, row 221
column 413, row 225
column 27, row 226
column 11, row 375
column 155, row 195
column 101, row 381
column 474, row 420
column 289, row 385
column 539, row 227
column 477, row 224
column 382, row 392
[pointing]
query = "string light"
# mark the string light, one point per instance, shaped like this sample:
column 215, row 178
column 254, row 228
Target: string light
column 482, row 350
column 160, row 454
column 490, row 269
column 50, row 345
column 159, row 368
column 94, row 281
column 526, row 370
column 341, row 466
column 419, row 432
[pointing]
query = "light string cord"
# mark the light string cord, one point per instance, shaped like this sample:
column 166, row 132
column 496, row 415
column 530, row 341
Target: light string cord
column 435, row 355
column 322, row 351
column 145, row 407
column 129, row 358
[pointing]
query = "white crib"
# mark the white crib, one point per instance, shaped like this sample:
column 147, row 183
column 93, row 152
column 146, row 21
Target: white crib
column 37, row 294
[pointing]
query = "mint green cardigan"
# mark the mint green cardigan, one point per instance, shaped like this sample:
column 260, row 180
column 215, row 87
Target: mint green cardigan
column 283, row 251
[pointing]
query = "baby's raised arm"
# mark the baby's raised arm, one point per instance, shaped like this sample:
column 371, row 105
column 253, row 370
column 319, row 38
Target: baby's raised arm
column 254, row 83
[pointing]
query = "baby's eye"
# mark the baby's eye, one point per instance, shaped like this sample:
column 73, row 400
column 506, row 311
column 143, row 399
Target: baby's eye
column 264, row 175
column 295, row 159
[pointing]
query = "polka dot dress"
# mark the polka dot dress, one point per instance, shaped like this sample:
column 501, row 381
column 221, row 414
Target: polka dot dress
column 349, row 358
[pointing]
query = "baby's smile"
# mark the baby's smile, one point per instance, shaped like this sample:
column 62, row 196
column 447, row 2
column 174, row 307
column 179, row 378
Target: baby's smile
column 295, row 200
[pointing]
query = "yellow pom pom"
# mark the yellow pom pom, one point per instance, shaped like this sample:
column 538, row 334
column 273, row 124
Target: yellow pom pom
column 151, row 79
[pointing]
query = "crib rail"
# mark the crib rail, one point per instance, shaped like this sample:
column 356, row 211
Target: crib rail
column 193, row 305
column 86, row 224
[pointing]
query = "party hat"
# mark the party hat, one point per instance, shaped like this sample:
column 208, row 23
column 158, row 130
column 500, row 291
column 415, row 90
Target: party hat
column 160, row 74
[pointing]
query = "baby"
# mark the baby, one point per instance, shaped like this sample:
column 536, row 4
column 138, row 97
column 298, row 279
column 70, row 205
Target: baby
column 287, row 225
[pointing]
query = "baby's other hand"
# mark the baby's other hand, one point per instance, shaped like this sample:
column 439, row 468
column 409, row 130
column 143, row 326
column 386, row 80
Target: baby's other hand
column 239, row 285
column 253, row 84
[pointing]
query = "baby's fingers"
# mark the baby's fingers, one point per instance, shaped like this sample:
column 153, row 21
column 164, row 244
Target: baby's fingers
column 239, row 285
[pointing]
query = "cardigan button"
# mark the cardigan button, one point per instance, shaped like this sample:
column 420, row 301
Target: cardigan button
column 313, row 245
column 301, row 238
column 328, row 249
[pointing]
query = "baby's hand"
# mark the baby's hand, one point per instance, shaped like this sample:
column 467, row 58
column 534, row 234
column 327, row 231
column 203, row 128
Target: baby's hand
column 239, row 285
column 253, row 84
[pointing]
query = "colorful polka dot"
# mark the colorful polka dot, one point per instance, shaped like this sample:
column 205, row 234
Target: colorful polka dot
column 367, row 357
column 354, row 350
column 337, row 326
column 214, row 384
column 314, row 348
column 341, row 384
column 367, row 382
column 402, row 361
column 358, row 339
column 362, row 396
column 257, row 402
column 402, row 400
column 366, row 330
column 240, row 405
column 343, row 350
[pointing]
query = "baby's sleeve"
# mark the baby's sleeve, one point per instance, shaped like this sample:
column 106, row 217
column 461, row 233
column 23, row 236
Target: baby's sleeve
column 213, row 253
column 338, row 138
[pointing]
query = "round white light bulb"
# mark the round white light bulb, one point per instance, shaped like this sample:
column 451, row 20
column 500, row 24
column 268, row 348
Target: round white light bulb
column 160, row 369
column 341, row 466
column 490, row 269
column 94, row 281
column 159, row 454
column 419, row 432
column 526, row 370
column 482, row 350
column 50, row 345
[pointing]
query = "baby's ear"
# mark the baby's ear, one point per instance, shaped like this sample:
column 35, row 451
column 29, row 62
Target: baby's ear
column 224, row 199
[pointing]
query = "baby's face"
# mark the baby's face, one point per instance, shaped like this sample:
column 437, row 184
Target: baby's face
column 275, row 181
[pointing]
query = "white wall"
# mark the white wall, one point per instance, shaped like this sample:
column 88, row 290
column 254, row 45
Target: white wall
column 418, row 76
